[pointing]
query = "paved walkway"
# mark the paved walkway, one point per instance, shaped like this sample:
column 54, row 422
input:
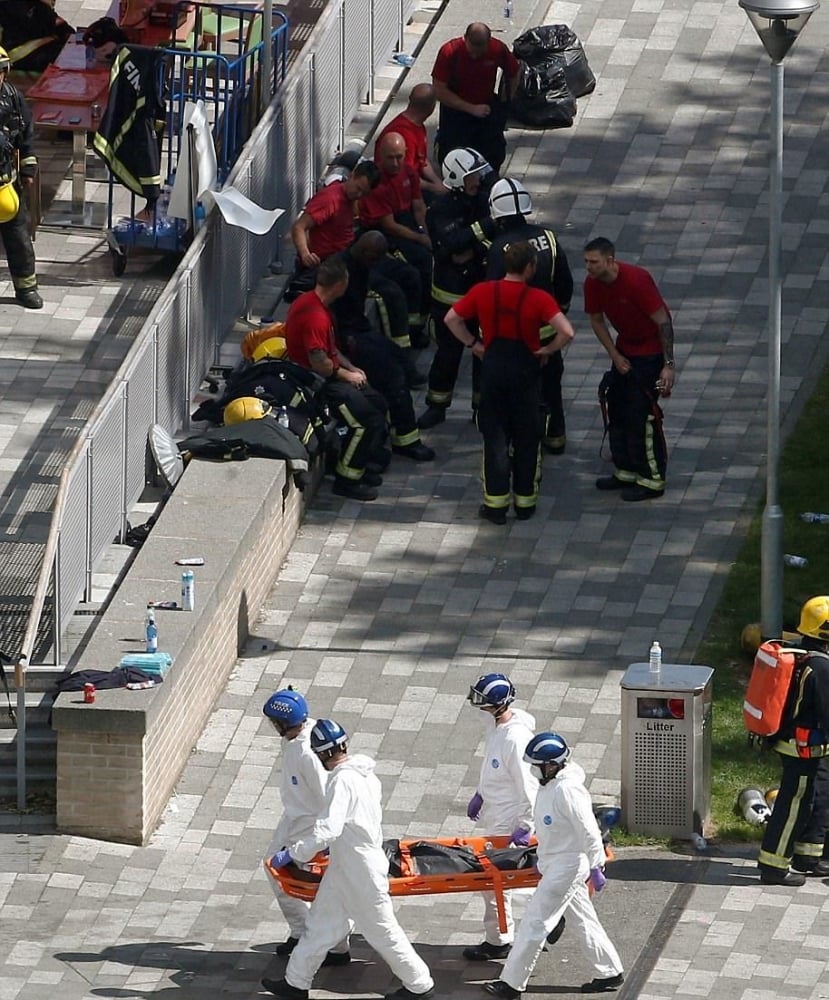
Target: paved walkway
column 384, row 612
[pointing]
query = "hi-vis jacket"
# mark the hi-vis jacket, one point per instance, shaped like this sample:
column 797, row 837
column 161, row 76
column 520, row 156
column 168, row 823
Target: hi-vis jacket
column 805, row 732
column 507, row 784
column 129, row 136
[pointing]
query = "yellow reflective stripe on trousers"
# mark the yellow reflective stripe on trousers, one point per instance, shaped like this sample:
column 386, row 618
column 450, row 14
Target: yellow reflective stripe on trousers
column 655, row 482
column 344, row 467
column 443, row 297
column 773, row 858
column 402, row 440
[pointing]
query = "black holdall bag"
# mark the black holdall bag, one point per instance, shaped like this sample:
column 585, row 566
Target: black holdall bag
column 537, row 45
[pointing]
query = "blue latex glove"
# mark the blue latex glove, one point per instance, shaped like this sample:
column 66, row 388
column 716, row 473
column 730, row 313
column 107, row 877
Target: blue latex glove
column 281, row 859
column 520, row 837
column 597, row 879
column 473, row 810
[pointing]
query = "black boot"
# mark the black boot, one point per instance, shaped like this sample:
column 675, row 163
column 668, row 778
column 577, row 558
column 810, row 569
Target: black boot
column 29, row 298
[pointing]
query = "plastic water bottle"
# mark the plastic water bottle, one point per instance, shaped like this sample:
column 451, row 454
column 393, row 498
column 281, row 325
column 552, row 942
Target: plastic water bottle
column 699, row 842
column 508, row 9
column 796, row 562
column 151, row 631
column 283, row 418
column 810, row 517
column 188, row 590
column 164, row 202
column 655, row 658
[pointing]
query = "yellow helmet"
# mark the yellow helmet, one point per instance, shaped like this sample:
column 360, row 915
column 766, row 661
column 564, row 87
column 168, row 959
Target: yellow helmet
column 9, row 201
column 5, row 61
column 814, row 618
column 245, row 408
column 273, row 347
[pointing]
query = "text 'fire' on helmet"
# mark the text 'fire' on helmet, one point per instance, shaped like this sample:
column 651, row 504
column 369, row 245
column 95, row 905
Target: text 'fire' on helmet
column 462, row 163
column 814, row 619
column 492, row 690
column 509, row 197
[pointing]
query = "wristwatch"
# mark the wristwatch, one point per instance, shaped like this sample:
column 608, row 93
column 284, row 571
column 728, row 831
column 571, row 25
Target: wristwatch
column 669, row 364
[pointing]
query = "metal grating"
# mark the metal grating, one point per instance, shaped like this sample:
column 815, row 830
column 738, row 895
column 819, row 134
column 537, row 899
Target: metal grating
column 660, row 795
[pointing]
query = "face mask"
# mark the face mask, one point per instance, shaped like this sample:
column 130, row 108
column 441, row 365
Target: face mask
column 538, row 772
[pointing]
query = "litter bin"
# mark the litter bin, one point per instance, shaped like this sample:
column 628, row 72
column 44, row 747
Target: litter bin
column 666, row 749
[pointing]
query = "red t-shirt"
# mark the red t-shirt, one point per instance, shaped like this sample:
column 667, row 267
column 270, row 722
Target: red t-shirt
column 508, row 310
column 629, row 302
column 309, row 326
column 416, row 141
column 333, row 216
column 393, row 195
column 473, row 80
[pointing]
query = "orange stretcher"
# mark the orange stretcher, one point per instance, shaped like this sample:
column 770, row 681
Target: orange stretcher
column 303, row 882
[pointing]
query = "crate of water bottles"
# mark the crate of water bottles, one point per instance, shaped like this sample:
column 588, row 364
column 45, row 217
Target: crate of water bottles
column 151, row 228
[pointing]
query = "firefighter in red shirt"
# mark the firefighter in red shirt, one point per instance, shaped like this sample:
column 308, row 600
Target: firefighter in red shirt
column 643, row 368
column 411, row 124
column 397, row 209
column 471, row 113
column 326, row 225
column 309, row 336
column 510, row 314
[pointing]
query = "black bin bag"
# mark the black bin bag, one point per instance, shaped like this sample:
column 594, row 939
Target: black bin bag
column 539, row 44
column 542, row 97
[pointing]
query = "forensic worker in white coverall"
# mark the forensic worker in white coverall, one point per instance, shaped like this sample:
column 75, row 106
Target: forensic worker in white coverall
column 503, row 803
column 302, row 790
column 570, row 851
column 354, row 890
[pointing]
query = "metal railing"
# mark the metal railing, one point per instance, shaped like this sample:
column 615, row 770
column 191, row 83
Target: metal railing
column 181, row 337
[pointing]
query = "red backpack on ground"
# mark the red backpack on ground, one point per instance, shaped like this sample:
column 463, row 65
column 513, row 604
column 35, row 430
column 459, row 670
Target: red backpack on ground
column 775, row 666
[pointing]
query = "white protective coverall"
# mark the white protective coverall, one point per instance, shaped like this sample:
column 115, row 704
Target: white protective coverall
column 354, row 891
column 569, row 845
column 302, row 790
column 508, row 788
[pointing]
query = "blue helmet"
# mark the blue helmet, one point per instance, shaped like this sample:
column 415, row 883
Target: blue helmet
column 547, row 748
column 287, row 707
column 492, row 691
column 327, row 737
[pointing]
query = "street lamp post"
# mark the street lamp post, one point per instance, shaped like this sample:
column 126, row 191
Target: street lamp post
column 778, row 24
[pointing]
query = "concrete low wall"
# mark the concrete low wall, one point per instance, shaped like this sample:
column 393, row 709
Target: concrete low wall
column 119, row 759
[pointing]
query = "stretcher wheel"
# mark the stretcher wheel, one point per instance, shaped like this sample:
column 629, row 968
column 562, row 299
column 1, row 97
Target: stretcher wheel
column 119, row 261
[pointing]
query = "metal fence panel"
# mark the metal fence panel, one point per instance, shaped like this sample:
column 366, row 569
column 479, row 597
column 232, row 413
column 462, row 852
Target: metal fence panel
column 293, row 142
column 358, row 54
column 170, row 348
column 140, row 380
column 328, row 98
column 387, row 29
column 72, row 549
column 106, row 450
